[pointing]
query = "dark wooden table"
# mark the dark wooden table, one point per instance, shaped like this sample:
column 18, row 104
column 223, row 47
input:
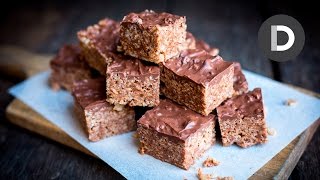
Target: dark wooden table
column 43, row 27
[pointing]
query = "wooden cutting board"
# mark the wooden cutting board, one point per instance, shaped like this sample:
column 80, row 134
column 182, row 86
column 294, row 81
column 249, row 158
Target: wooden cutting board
column 23, row 64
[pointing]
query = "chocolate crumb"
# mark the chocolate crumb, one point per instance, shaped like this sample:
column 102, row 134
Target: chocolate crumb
column 224, row 178
column 202, row 176
column 209, row 162
column 141, row 150
column 135, row 135
column 55, row 86
column 290, row 102
column 272, row 131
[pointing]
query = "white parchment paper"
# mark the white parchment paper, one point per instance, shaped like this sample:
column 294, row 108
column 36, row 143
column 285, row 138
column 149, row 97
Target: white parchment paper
column 120, row 152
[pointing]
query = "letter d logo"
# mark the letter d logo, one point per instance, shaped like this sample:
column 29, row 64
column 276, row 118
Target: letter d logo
column 274, row 39
column 281, row 38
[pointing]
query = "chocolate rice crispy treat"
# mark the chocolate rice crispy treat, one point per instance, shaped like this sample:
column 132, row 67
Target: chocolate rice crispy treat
column 194, row 43
column 175, row 134
column 100, row 119
column 68, row 67
column 98, row 42
column 131, row 81
column 241, row 120
column 240, row 84
column 197, row 80
column 151, row 36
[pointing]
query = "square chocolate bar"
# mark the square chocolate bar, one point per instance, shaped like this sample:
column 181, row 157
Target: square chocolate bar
column 100, row 118
column 241, row 120
column 197, row 80
column 131, row 81
column 98, row 42
column 175, row 134
column 152, row 36
column 68, row 67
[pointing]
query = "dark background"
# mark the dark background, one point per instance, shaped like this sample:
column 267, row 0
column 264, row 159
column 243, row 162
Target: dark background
column 232, row 26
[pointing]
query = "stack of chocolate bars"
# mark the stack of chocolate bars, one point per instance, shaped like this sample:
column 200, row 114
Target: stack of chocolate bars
column 118, row 66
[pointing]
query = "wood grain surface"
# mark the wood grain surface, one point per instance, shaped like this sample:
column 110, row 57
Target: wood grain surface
column 22, row 63
column 43, row 26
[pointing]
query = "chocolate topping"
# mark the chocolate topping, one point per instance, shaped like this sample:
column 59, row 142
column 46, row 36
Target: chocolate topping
column 200, row 44
column 89, row 91
column 245, row 105
column 197, row 65
column 190, row 41
column 239, row 80
column 68, row 56
column 149, row 19
column 175, row 120
column 130, row 66
column 104, row 36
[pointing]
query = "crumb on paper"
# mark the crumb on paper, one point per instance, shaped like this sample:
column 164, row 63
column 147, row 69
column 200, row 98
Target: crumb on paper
column 209, row 162
column 290, row 102
column 135, row 135
column 272, row 131
column 224, row 178
column 202, row 176
column 55, row 86
column 141, row 150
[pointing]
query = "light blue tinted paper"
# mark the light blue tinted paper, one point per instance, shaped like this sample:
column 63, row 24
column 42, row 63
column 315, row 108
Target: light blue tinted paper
column 120, row 152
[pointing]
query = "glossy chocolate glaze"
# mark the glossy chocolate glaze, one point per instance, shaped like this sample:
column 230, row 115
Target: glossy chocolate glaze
column 175, row 120
column 197, row 65
column 130, row 66
column 239, row 80
column 245, row 105
column 149, row 19
column 68, row 56
column 90, row 91
column 103, row 36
